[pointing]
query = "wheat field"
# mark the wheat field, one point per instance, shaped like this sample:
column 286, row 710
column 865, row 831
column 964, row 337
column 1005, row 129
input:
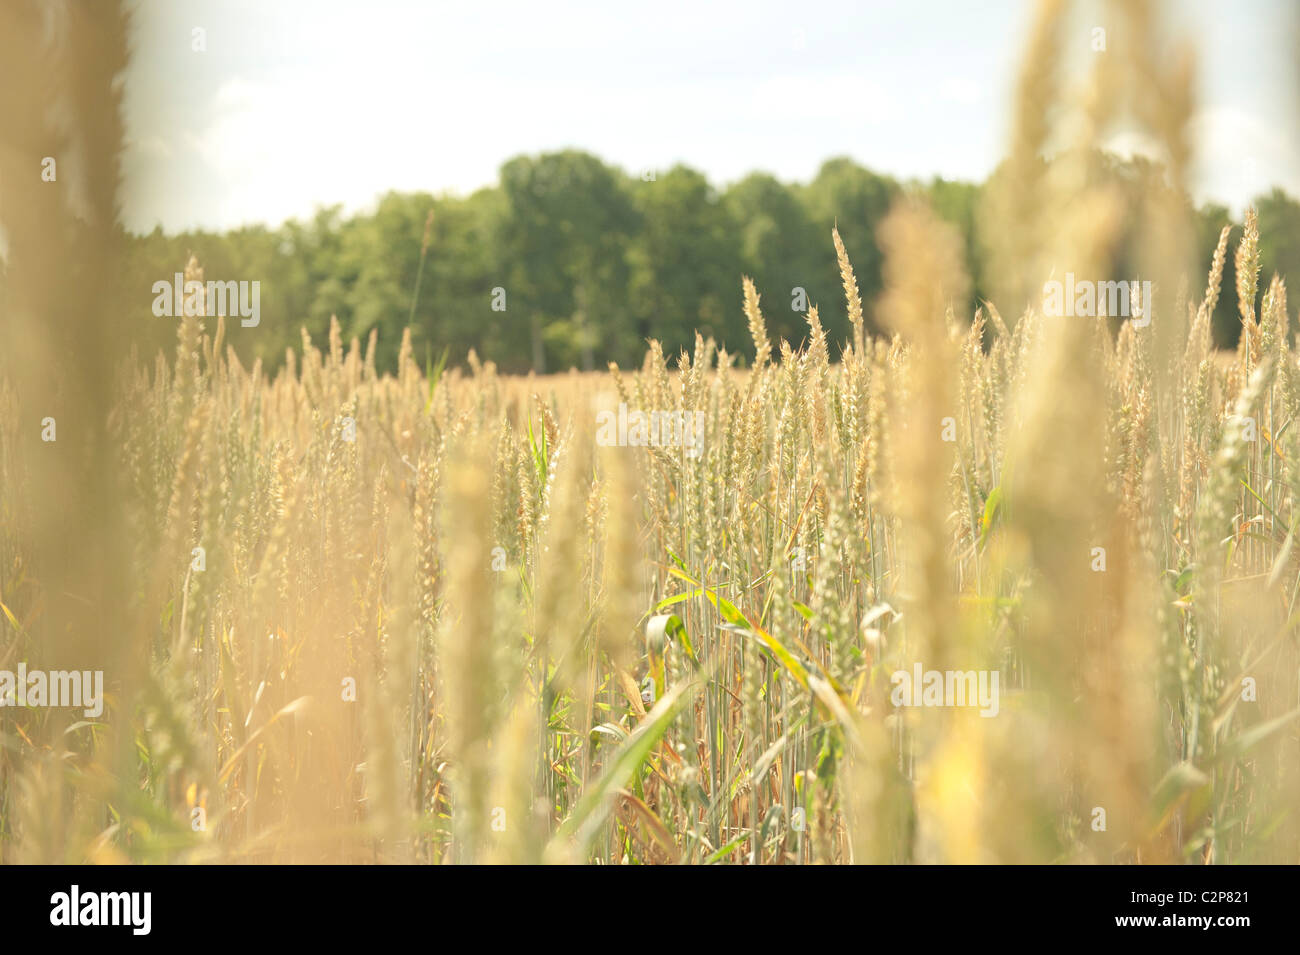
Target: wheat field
column 676, row 649
column 443, row 617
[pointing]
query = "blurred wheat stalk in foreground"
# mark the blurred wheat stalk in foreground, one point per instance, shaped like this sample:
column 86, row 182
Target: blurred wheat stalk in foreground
column 433, row 618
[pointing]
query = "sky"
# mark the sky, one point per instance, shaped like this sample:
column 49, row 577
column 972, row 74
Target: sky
column 291, row 105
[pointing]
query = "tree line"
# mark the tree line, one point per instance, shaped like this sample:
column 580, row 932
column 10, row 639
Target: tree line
column 568, row 261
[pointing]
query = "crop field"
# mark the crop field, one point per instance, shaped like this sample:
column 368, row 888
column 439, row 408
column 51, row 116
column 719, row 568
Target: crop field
column 982, row 586
column 421, row 618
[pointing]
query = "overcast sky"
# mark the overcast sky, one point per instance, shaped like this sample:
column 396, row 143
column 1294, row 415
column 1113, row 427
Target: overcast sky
column 299, row 103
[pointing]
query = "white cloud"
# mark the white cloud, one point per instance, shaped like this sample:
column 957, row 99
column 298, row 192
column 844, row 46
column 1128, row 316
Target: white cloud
column 291, row 109
column 1241, row 155
column 963, row 90
column 823, row 96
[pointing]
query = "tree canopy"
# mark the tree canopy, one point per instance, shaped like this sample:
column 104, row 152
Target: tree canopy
column 571, row 262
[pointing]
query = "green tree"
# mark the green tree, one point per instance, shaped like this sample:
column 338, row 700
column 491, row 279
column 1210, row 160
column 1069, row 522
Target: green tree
column 854, row 199
column 563, row 236
column 684, row 266
column 1279, row 237
column 781, row 249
